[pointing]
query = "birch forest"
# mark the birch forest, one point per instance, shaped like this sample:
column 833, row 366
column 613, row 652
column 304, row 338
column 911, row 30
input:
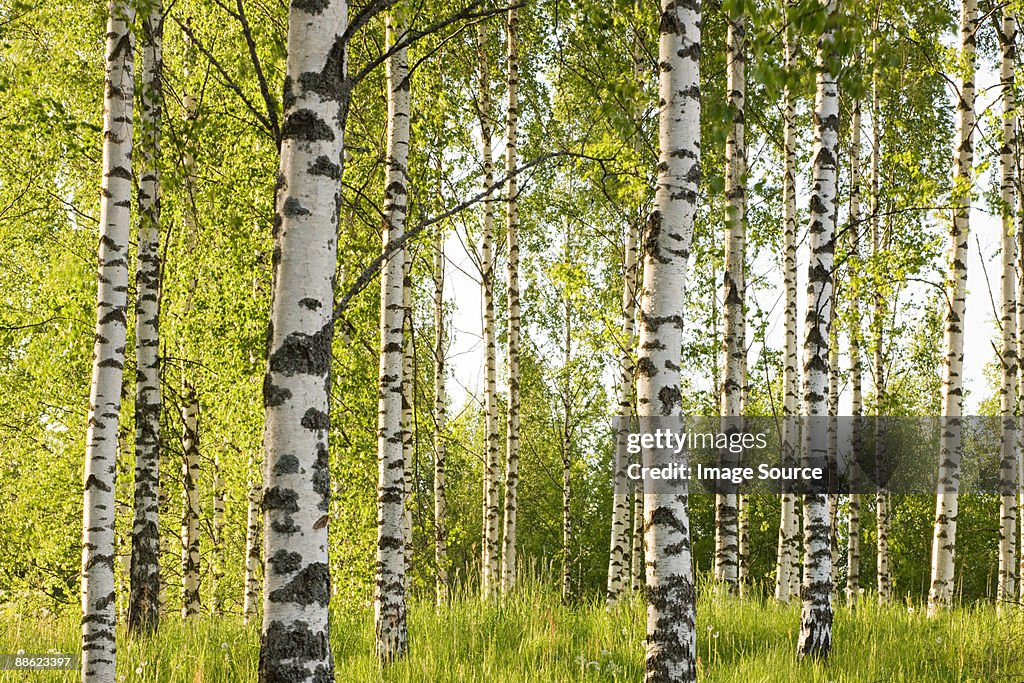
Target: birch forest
column 549, row 340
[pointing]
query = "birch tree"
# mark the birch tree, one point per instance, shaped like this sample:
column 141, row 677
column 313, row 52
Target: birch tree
column 1006, row 590
column 856, row 372
column 816, row 589
column 786, row 575
column 618, row 559
column 490, row 543
column 440, row 420
column 940, row 594
column 671, row 652
column 144, row 603
column 190, row 502
column 734, row 348
column 882, row 501
column 252, row 546
column 295, row 642
column 508, row 555
column 390, row 585
column 98, row 549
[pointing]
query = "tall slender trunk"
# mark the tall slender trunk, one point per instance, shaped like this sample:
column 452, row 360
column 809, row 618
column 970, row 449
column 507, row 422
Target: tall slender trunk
column 408, row 396
column 671, row 648
column 567, row 434
column 508, row 555
column 637, row 571
column 489, row 545
column 440, row 418
column 190, row 502
column 252, row 546
column 190, row 603
column 98, row 610
column 1019, row 233
column 946, row 501
column 1008, row 464
column 217, row 570
column 390, row 586
column 786, row 574
column 618, row 559
column 816, row 588
column 295, row 635
column 856, row 373
column 882, row 499
column 143, row 603
column 619, row 553
column 734, row 347
column 832, row 447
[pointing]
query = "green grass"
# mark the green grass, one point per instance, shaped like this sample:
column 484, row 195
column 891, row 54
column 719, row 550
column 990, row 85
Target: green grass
column 532, row 637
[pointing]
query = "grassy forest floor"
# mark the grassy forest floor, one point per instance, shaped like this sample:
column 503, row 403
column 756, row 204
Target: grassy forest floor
column 532, row 637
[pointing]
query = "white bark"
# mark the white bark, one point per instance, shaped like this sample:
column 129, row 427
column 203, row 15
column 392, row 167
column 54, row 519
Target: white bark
column 946, row 501
column 1008, row 464
column 143, row 605
column 408, row 397
column 508, row 554
column 490, row 549
column 882, row 499
column 190, row 502
column 786, row 574
column 98, row 609
column 252, row 547
column 390, row 588
column 856, row 372
column 671, row 651
column 734, row 347
column 295, row 642
column 567, row 434
column 440, row 425
column 816, row 589
column 618, row 559
column 217, row 570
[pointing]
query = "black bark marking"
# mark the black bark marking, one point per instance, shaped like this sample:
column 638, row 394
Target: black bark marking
column 285, row 562
column 286, row 464
column 300, row 353
column 306, row 125
column 274, row 395
column 316, row 419
column 311, row 585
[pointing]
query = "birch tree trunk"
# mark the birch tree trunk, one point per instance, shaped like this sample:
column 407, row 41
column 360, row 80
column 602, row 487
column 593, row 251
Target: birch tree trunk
column 440, row 424
column 636, row 555
column 98, row 551
column 217, row 570
column 786, row 575
column 816, row 589
column 1008, row 464
column 190, row 604
column 882, row 500
column 671, row 649
column 390, row 588
column 832, row 454
column 1019, row 233
column 567, row 432
column 144, row 601
column 946, row 501
column 508, row 555
column 856, row 372
column 295, row 638
column 252, row 547
column 489, row 582
column 618, row 558
column 734, row 348
column 408, row 391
